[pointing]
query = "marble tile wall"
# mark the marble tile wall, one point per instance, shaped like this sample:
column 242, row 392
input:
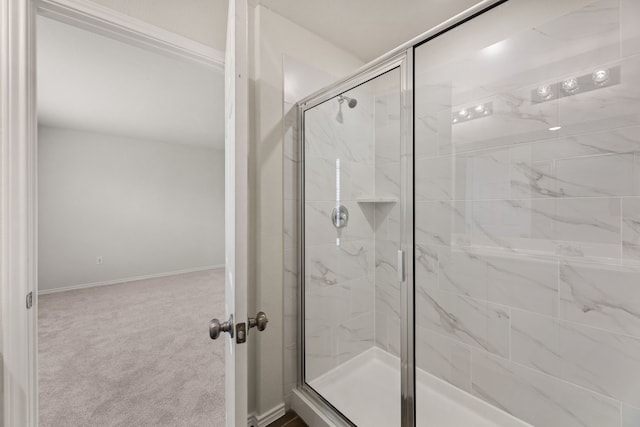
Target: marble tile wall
column 387, row 215
column 527, row 238
column 340, row 264
column 352, row 295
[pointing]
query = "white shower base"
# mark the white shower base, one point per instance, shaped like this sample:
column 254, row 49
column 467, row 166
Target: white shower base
column 366, row 389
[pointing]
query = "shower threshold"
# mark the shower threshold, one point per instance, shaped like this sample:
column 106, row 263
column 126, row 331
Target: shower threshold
column 366, row 390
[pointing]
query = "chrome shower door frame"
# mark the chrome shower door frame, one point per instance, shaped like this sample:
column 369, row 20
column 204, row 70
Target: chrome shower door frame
column 403, row 60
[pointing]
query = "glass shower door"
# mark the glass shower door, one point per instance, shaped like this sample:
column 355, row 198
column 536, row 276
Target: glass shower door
column 527, row 217
column 352, row 216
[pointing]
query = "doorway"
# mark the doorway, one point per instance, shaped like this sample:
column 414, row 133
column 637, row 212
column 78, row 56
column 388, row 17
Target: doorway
column 130, row 232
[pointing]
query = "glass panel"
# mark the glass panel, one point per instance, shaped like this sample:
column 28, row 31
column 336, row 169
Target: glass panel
column 527, row 200
column 352, row 234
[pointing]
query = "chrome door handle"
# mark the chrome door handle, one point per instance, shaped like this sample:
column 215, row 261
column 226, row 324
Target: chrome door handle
column 259, row 322
column 215, row 327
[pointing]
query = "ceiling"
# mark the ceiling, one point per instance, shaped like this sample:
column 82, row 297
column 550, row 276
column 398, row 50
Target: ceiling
column 368, row 28
column 91, row 82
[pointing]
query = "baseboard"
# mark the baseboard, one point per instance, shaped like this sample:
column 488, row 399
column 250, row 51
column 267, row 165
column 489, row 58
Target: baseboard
column 128, row 279
column 267, row 418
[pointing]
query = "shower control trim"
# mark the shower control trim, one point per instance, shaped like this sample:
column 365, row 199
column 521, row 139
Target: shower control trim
column 400, row 267
column 340, row 217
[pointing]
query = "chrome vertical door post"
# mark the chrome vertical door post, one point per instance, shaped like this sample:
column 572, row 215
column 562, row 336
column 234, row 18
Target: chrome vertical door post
column 407, row 285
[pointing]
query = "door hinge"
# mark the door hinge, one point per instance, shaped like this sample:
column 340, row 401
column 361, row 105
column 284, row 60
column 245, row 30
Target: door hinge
column 29, row 300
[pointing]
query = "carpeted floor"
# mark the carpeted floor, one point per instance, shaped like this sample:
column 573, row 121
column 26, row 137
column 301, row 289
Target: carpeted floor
column 133, row 354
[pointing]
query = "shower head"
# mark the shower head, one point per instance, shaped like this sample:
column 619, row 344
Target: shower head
column 351, row 102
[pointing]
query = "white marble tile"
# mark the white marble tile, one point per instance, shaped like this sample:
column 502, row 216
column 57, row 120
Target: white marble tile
column 539, row 399
column 387, row 219
column 386, row 266
column 387, row 331
column 387, row 179
column 387, row 127
column 427, row 136
column 533, row 179
column 575, row 177
column 320, row 356
column 616, row 176
column 568, row 227
column 630, row 416
column 387, row 297
column 578, row 220
column 426, row 267
column 517, row 281
column 329, row 264
column 564, row 167
column 434, row 178
column 470, row 321
column 352, row 140
column 631, row 229
column 395, row 334
column 445, row 358
column 361, row 297
column 602, row 296
column 616, row 141
column 381, row 332
column 354, row 336
column 327, row 306
column 629, row 30
column 603, row 362
column 483, row 175
column 356, row 179
column 442, row 223
column 432, row 132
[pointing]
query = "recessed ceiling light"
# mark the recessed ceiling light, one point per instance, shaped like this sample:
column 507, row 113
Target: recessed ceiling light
column 555, row 128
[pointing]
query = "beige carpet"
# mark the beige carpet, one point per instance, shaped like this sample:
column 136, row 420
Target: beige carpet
column 133, row 354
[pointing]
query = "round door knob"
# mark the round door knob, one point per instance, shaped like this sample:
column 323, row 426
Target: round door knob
column 216, row 328
column 259, row 322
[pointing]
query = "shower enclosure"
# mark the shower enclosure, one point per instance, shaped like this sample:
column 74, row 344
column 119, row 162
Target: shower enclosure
column 470, row 225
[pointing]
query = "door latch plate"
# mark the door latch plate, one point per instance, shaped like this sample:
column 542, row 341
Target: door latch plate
column 241, row 333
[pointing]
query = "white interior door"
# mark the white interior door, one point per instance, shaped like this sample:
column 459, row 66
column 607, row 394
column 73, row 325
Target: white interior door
column 236, row 200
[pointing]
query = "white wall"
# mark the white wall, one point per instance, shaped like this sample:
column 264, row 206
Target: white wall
column 204, row 21
column 146, row 207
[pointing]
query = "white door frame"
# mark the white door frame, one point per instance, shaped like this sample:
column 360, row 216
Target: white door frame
column 18, row 177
